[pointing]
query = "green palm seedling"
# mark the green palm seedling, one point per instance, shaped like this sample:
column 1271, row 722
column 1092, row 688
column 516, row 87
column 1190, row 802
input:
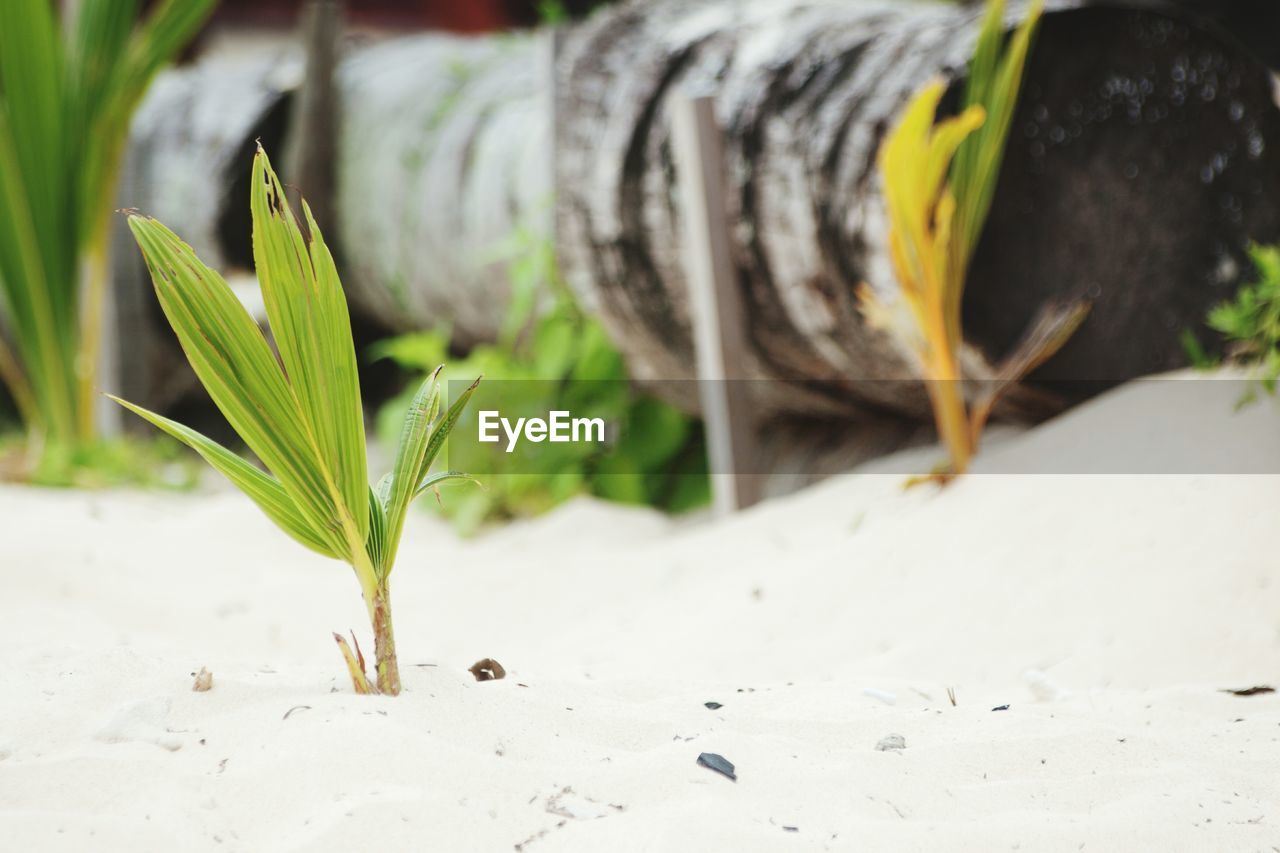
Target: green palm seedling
column 939, row 181
column 67, row 92
column 301, row 415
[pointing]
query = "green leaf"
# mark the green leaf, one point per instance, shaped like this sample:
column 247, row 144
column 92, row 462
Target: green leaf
column 309, row 319
column 113, row 60
column 37, row 267
column 30, row 295
column 994, row 83
column 420, row 441
column 441, row 432
column 376, row 544
column 162, row 34
column 236, row 366
column 399, row 490
column 32, row 80
column 64, row 116
column 262, row 489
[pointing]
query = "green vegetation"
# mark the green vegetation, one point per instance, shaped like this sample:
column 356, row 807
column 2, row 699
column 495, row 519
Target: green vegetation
column 1250, row 323
column 939, row 181
column 150, row 463
column 66, row 98
column 550, row 355
column 304, row 422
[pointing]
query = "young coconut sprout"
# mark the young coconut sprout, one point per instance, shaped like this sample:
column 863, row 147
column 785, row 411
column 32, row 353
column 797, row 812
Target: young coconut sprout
column 301, row 415
column 939, row 180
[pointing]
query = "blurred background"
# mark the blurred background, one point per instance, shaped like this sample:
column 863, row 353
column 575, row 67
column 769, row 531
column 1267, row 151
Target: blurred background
column 501, row 188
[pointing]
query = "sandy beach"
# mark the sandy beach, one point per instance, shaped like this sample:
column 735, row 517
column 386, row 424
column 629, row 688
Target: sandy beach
column 1108, row 613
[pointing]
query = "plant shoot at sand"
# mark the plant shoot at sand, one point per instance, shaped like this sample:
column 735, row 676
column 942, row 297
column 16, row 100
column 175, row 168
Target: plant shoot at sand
column 66, row 96
column 939, row 180
column 301, row 416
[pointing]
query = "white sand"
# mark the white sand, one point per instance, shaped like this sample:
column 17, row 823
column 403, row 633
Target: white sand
column 1107, row 611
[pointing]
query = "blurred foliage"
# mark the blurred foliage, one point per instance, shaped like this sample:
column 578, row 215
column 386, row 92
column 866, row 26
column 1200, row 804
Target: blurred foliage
column 552, row 356
column 1251, row 324
column 151, row 463
column 67, row 92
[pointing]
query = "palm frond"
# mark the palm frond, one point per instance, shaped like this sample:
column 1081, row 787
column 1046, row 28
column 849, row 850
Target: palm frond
column 235, row 364
column 440, row 434
column 37, row 273
column 66, row 96
column 994, row 83
column 414, row 438
column 262, row 489
column 309, row 320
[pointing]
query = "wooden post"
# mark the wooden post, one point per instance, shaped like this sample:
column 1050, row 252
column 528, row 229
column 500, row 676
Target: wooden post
column 715, row 305
column 313, row 124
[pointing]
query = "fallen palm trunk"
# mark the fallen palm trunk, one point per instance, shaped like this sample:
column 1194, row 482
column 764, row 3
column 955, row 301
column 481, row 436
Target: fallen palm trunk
column 1144, row 157
column 1142, row 160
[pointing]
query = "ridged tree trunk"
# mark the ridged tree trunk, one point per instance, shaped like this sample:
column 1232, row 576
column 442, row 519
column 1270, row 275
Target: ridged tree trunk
column 1144, row 157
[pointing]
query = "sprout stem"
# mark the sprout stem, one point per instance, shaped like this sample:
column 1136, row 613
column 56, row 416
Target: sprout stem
column 384, row 641
column 949, row 414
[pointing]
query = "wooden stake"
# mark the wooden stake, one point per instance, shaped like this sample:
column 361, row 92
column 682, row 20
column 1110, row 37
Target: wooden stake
column 313, row 124
column 716, row 305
